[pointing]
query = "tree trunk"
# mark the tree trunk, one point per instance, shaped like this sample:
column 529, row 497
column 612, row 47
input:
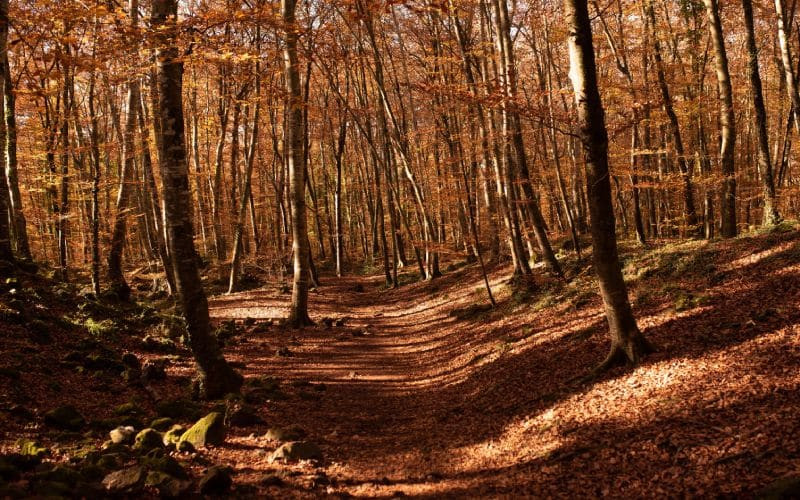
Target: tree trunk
column 115, row 273
column 18, row 225
column 771, row 215
column 627, row 342
column 298, row 312
column 727, row 122
column 216, row 377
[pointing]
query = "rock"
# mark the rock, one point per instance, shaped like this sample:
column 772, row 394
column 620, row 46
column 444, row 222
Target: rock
column 217, row 480
column 167, row 465
column 161, row 424
column 128, row 409
column 154, row 370
column 122, row 435
column 271, row 480
column 178, row 408
column 173, row 435
column 131, row 361
column 167, row 486
column 59, row 474
column 242, row 415
column 147, row 440
column 185, row 447
column 784, row 488
column 209, row 430
column 284, row 352
column 293, row 433
column 297, row 450
column 125, row 480
column 30, row 448
column 65, row 418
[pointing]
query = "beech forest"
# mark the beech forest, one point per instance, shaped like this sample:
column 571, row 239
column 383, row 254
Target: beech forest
column 399, row 248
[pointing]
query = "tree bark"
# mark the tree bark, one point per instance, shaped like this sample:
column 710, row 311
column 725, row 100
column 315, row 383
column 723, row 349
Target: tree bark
column 298, row 312
column 771, row 215
column 727, row 122
column 216, row 378
column 627, row 342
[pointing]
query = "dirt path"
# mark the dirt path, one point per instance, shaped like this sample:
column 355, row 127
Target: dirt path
column 386, row 419
column 419, row 403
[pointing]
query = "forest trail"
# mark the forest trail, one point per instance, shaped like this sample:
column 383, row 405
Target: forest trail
column 419, row 402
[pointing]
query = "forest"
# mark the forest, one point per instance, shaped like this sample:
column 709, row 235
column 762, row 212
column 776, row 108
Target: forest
column 389, row 248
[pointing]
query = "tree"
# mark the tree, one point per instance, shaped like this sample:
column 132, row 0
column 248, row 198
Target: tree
column 295, row 143
column 771, row 215
column 115, row 273
column 216, row 378
column 727, row 121
column 6, row 252
column 627, row 342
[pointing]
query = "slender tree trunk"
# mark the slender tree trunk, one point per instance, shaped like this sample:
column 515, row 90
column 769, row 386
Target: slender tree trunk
column 6, row 251
column 19, row 225
column 771, row 215
column 727, row 122
column 216, row 377
column 116, row 276
column 298, row 312
column 627, row 342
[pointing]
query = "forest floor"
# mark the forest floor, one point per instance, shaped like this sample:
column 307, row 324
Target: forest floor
column 425, row 392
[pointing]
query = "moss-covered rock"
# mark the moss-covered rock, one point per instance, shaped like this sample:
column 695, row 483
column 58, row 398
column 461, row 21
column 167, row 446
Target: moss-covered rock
column 147, row 439
column 162, row 424
column 173, row 435
column 178, row 408
column 209, row 430
column 128, row 409
column 166, row 485
column 65, row 418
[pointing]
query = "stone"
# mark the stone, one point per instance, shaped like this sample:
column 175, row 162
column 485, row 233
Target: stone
column 209, row 430
column 166, row 485
column 271, row 480
column 297, row 450
column 122, row 435
column 65, row 418
column 242, row 415
column 293, row 433
column 178, row 408
column 128, row 409
column 217, row 480
column 167, row 465
column 125, row 480
column 153, row 370
column 162, row 424
column 147, row 440
column 173, row 435
column 131, row 361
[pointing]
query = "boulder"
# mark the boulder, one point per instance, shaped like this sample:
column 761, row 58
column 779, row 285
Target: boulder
column 65, row 418
column 147, row 440
column 242, row 415
column 166, row 485
column 173, row 435
column 293, row 433
column 122, row 435
column 178, row 408
column 209, row 430
column 297, row 450
column 125, row 480
column 161, row 424
column 217, row 480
